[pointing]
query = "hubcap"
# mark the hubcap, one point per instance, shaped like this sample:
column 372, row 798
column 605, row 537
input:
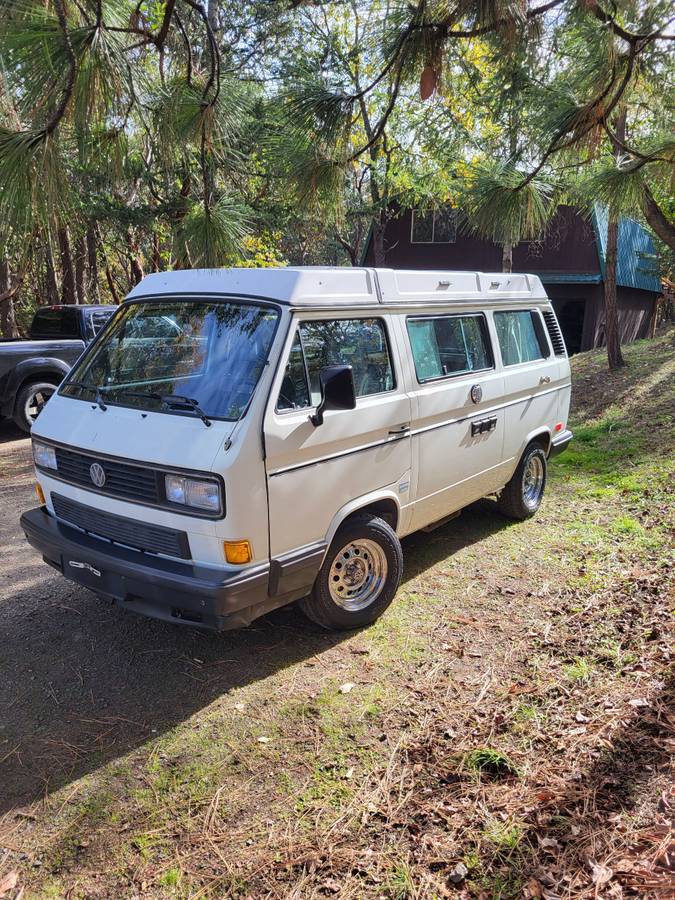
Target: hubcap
column 533, row 481
column 37, row 402
column 357, row 575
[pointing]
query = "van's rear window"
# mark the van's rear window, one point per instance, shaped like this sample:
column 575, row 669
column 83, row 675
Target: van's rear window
column 208, row 351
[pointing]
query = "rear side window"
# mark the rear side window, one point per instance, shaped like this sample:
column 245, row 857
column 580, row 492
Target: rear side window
column 521, row 336
column 449, row 345
column 359, row 343
column 55, row 323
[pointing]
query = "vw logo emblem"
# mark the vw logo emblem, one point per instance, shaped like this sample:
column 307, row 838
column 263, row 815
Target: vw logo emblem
column 97, row 474
column 476, row 393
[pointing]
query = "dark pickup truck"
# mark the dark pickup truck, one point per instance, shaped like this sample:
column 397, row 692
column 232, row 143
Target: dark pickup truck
column 31, row 370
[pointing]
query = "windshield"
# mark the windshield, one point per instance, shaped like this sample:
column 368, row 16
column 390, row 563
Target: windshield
column 208, row 352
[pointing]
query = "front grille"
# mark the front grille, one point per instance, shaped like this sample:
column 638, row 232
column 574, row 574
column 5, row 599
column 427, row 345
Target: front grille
column 120, row 530
column 121, row 479
column 554, row 332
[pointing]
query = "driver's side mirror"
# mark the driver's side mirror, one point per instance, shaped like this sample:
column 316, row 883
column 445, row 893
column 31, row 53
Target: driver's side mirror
column 337, row 391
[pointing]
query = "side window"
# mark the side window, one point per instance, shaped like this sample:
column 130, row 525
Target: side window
column 359, row 343
column 449, row 345
column 294, row 393
column 519, row 337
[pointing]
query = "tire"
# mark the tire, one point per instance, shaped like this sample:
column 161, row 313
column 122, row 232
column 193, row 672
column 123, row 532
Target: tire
column 29, row 402
column 522, row 496
column 359, row 576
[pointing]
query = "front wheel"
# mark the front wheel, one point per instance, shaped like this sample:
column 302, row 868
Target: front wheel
column 30, row 402
column 359, row 576
column 522, row 496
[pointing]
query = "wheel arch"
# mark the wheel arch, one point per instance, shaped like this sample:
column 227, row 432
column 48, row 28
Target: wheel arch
column 541, row 436
column 35, row 370
column 384, row 504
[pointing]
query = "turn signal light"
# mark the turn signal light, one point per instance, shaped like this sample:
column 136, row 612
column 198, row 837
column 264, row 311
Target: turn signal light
column 238, row 552
column 40, row 493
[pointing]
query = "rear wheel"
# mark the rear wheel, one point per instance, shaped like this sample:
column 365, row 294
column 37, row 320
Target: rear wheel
column 522, row 496
column 359, row 576
column 30, row 402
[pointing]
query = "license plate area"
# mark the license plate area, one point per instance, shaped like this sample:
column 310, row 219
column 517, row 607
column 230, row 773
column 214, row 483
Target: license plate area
column 88, row 575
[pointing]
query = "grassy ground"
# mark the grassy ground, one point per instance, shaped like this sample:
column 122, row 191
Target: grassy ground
column 506, row 730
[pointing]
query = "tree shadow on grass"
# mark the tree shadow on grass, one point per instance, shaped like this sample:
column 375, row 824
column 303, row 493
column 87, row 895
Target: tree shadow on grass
column 82, row 683
column 576, row 827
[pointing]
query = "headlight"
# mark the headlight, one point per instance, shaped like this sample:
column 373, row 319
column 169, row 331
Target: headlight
column 44, row 456
column 192, row 492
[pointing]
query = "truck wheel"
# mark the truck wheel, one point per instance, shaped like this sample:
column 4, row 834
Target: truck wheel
column 522, row 496
column 359, row 576
column 30, row 401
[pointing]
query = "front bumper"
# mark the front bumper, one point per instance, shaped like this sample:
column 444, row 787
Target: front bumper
column 560, row 442
column 179, row 592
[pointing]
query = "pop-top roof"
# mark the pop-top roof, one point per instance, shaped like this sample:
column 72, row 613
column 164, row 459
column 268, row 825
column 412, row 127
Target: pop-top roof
column 342, row 286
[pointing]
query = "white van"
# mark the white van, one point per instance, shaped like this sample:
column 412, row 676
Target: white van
column 237, row 439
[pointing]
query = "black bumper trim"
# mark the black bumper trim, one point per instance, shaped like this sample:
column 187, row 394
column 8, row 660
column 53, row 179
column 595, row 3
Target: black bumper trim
column 297, row 570
column 560, row 442
column 180, row 592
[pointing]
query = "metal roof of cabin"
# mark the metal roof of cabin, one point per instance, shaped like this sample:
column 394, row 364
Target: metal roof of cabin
column 342, row 286
column 635, row 252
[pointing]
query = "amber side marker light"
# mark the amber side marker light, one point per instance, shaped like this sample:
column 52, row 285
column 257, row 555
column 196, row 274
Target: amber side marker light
column 40, row 494
column 238, row 552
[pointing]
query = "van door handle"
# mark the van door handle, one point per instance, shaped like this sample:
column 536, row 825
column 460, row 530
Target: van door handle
column 483, row 425
column 401, row 429
column 544, row 379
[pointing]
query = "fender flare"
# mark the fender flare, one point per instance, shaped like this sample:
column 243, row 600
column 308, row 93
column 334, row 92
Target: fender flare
column 27, row 369
column 365, row 501
column 544, row 432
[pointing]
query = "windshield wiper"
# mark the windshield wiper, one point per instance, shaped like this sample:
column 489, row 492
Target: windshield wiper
column 178, row 401
column 172, row 401
column 90, row 387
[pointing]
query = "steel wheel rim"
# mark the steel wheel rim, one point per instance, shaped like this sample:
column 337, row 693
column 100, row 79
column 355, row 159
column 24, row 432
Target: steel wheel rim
column 533, row 481
column 357, row 575
column 37, row 403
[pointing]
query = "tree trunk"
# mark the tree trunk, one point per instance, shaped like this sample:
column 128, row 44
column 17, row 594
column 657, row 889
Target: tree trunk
column 111, row 285
column 50, row 274
column 378, row 242
column 614, row 356
column 92, row 266
column 613, row 336
column 135, row 264
column 156, row 253
column 507, row 257
column 69, row 294
column 80, row 263
column 8, row 327
column 657, row 220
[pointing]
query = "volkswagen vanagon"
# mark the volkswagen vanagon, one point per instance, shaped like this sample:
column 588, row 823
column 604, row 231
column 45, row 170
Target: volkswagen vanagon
column 237, row 439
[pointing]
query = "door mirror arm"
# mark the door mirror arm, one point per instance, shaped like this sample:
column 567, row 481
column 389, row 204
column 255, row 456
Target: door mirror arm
column 337, row 391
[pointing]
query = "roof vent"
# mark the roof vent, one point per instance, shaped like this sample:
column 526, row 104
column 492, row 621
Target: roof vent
column 554, row 332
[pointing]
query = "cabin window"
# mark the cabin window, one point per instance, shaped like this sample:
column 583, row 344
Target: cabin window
column 449, row 345
column 433, row 226
column 521, row 337
column 359, row 343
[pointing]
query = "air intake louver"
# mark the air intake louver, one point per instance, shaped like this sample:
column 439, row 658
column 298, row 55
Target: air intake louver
column 554, row 333
column 120, row 530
